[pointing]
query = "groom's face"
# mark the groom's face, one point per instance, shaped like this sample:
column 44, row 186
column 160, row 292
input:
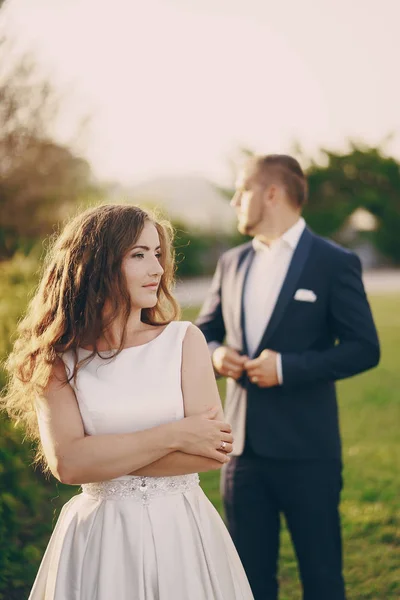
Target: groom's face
column 248, row 202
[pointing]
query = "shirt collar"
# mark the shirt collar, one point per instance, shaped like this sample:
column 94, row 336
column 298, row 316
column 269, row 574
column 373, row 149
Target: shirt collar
column 290, row 237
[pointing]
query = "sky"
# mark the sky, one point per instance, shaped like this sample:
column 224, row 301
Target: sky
column 178, row 86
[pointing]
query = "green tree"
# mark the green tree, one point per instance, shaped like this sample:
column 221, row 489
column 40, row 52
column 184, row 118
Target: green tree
column 363, row 177
column 40, row 179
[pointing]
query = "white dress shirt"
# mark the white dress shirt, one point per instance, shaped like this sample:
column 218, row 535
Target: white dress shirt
column 264, row 282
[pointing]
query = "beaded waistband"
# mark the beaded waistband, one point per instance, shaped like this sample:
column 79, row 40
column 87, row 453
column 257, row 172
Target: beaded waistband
column 142, row 489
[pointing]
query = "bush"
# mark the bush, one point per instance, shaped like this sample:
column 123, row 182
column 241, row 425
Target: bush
column 26, row 516
column 197, row 252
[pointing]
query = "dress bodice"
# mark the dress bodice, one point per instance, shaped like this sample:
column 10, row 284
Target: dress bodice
column 138, row 389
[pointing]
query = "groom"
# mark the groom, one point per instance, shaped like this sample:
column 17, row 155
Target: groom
column 286, row 316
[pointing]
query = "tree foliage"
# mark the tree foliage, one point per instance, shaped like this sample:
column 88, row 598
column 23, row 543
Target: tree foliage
column 40, row 179
column 363, row 177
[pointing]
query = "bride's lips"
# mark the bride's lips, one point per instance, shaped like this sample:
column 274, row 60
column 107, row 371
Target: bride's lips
column 151, row 286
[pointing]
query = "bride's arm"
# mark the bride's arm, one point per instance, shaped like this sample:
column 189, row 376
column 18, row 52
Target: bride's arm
column 178, row 463
column 76, row 458
column 199, row 392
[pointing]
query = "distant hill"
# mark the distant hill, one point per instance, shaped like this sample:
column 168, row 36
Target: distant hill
column 193, row 200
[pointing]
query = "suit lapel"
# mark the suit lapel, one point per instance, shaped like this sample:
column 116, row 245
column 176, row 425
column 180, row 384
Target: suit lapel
column 296, row 266
column 243, row 270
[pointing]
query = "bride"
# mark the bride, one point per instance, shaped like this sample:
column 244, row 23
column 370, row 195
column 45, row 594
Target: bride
column 122, row 399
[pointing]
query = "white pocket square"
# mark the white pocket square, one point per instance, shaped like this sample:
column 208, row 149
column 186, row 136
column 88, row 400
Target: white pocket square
column 305, row 296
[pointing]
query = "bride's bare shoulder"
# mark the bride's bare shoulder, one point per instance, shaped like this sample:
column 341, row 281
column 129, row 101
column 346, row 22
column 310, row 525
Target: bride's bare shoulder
column 194, row 340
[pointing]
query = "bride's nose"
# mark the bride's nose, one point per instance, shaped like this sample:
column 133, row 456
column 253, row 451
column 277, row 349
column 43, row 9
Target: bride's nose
column 156, row 268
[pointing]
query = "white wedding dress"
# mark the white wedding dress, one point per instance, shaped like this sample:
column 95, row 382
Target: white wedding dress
column 138, row 538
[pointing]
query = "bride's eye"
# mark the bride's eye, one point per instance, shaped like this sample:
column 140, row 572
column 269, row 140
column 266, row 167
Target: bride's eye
column 138, row 255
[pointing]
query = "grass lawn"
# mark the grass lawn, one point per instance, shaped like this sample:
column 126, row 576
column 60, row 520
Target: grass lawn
column 370, row 420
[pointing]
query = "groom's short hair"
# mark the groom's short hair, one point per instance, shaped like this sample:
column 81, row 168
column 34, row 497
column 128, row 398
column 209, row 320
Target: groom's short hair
column 285, row 170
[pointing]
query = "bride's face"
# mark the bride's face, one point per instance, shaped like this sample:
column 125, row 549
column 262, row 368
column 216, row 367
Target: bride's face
column 142, row 269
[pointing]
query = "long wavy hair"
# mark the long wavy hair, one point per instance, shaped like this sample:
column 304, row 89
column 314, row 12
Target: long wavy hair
column 81, row 271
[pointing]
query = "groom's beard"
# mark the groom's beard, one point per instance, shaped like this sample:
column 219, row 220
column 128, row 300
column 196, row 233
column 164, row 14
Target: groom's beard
column 250, row 223
column 247, row 227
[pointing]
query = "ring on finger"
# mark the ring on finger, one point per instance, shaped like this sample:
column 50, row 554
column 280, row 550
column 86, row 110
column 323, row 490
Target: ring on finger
column 222, row 446
column 254, row 379
column 230, row 373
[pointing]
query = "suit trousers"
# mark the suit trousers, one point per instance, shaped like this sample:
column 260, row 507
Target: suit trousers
column 257, row 491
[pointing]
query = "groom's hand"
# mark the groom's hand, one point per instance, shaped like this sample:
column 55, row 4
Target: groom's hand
column 228, row 362
column 262, row 371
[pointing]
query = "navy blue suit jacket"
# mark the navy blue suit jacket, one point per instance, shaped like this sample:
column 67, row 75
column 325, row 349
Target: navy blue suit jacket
column 320, row 342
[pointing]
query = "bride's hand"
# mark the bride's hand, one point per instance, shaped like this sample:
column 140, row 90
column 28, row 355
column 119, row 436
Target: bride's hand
column 202, row 435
